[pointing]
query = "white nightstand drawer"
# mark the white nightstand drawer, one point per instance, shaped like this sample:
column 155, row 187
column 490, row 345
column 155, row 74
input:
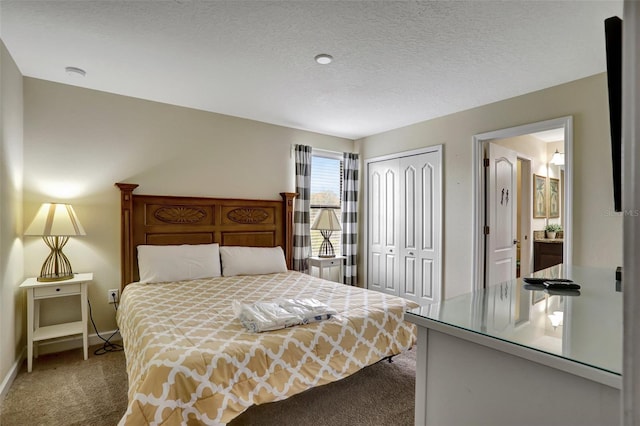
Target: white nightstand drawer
column 333, row 262
column 52, row 291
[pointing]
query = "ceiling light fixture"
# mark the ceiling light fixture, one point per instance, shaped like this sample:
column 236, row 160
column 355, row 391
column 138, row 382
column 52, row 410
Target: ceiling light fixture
column 75, row 72
column 557, row 158
column 323, row 59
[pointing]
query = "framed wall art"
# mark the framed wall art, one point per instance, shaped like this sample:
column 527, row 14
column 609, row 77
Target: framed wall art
column 539, row 196
column 554, row 197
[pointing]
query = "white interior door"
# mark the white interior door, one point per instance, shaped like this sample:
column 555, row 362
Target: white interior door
column 420, row 227
column 501, row 214
column 383, row 207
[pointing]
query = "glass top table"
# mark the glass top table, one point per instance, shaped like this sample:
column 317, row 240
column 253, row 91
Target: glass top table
column 585, row 328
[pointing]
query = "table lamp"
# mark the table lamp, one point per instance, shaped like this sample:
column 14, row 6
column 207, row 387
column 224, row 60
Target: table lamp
column 55, row 223
column 326, row 222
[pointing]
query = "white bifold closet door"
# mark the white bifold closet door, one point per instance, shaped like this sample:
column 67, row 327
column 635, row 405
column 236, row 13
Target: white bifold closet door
column 403, row 210
column 383, row 209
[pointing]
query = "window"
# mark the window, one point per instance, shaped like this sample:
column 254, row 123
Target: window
column 326, row 192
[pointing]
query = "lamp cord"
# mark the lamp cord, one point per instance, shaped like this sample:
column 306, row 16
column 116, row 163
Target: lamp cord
column 107, row 346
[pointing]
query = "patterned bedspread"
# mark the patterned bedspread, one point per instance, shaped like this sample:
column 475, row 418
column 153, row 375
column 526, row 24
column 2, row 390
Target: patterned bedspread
column 189, row 360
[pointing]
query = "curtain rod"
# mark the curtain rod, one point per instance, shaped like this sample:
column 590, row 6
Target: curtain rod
column 316, row 151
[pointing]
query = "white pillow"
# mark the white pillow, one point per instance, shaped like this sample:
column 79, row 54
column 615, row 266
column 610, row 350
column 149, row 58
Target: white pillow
column 178, row 262
column 252, row 260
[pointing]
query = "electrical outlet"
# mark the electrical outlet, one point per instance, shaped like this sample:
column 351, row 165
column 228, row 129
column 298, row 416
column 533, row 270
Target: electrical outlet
column 113, row 295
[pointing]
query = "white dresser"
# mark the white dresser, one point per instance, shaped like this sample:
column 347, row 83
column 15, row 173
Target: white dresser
column 510, row 355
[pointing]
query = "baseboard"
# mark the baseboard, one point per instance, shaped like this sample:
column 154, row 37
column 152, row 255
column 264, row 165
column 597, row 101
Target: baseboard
column 75, row 342
column 11, row 375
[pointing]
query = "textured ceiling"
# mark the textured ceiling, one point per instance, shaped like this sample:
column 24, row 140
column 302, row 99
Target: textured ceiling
column 396, row 62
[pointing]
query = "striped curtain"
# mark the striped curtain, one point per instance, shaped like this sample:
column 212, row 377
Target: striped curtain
column 350, row 217
column 301, row 222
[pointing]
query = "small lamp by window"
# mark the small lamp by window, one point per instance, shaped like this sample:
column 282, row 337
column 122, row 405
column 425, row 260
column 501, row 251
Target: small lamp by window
column 557, row 158
column 55, row 223
column 326, row 222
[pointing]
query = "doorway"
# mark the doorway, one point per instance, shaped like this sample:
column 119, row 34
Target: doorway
column 507, row 228
column 526, row 165
column 524, row 234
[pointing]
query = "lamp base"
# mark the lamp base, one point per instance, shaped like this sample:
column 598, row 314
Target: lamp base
column 56, row 266
column 326, row 248
column 53, row 278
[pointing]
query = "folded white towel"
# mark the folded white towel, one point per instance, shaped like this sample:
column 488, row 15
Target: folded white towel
column 266, row 316
column 308, row 310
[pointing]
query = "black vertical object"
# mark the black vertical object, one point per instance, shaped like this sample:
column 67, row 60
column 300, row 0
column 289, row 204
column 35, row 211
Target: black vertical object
column 613, row 41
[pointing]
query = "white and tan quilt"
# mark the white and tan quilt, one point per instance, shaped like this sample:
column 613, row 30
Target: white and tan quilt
column 189, row 360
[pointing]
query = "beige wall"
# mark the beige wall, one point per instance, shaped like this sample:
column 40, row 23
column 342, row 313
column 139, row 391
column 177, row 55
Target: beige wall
column 585, row 100
column 79, row 142
column 557, row 172
column 12, row 318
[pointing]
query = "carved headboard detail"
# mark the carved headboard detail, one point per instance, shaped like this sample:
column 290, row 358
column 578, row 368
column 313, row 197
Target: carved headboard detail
column 180, row 214
column 248, row 215
column 165, row 220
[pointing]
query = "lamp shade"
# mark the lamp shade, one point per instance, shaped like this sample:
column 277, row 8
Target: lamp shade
column 327, row 221
column 55, row 220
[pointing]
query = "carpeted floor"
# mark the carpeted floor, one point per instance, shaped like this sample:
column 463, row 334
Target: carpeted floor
column 63, row 389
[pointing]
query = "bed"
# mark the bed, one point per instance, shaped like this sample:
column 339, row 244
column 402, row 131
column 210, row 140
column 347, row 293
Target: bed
column 189, row 359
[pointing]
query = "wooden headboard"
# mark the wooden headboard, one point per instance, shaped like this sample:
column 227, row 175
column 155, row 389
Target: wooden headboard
column 165, row 220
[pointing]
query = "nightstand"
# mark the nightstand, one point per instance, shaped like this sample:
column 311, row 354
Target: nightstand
column 37, row 291
column 327, row 262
